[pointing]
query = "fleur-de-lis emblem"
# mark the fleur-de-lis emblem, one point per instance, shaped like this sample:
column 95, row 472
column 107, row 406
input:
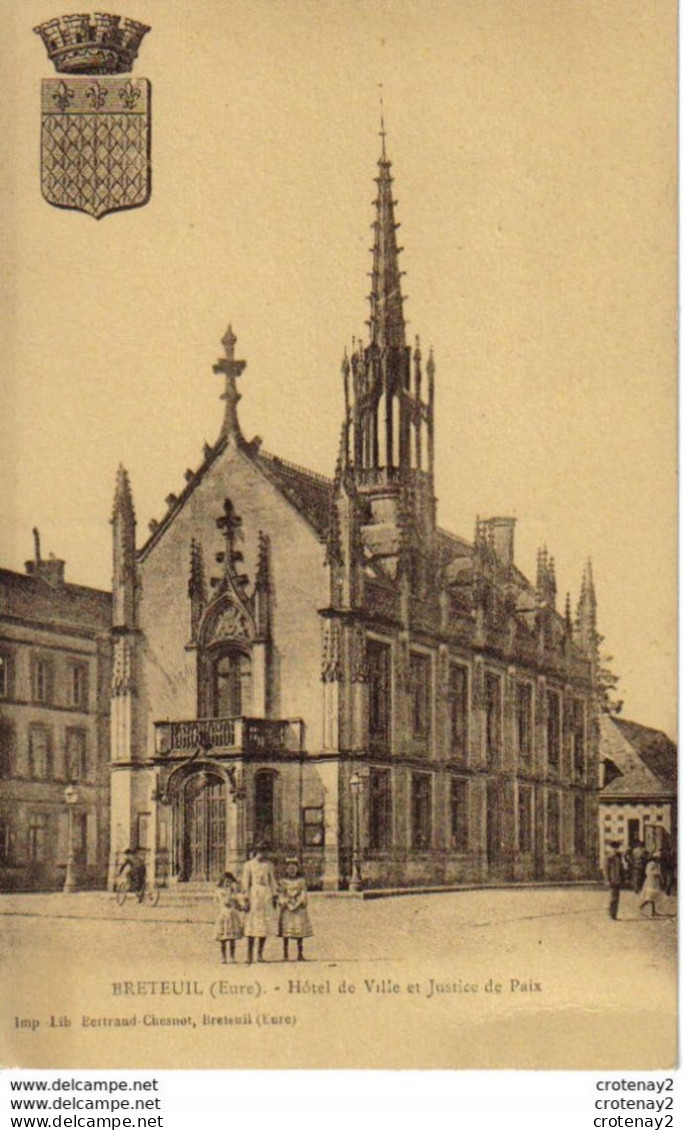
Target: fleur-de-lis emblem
column 63, row 96
column 97, row 95
column 129, row 95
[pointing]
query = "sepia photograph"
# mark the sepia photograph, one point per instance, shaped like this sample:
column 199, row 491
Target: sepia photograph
column 338, row 543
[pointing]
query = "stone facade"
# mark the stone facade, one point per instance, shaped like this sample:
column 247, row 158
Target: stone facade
column 314, row 662
column 54, row 727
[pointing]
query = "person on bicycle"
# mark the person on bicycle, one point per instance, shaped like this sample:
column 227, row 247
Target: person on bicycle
column 134, row 871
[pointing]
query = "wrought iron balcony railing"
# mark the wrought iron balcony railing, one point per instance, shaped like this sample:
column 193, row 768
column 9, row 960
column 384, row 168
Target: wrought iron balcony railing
column 230, row 735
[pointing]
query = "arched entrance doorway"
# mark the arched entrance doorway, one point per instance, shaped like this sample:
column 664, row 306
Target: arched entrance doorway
column 204, row 827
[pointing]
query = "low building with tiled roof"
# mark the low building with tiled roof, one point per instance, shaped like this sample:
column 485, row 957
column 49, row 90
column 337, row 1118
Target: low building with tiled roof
column 638, row 799
column 314, row 662
column 55, row 674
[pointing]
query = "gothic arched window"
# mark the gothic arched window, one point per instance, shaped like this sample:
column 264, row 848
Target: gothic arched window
column 232, row 673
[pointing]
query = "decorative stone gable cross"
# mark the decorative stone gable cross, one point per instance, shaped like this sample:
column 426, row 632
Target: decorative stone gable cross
column 231, row 369
column 231, row 526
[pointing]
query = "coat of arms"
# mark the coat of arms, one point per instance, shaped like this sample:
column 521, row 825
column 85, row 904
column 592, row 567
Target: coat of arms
column 95, row 137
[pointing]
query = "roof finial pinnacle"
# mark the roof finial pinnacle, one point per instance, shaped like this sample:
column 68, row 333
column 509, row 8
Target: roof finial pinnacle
column 383, row 132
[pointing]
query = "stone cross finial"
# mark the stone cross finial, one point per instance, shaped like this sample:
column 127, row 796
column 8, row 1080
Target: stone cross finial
column 231, row 369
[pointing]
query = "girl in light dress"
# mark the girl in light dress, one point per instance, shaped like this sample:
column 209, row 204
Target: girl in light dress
column 650, row 892
column 294, row 921
column 229, row 924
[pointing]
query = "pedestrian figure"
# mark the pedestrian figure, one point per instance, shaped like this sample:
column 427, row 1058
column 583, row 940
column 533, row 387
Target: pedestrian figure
column 229, row 927
column 613, row 872
column 638, row 872
column 260, row 888
column 294, row 921
column 135, row 872
column 652, row 886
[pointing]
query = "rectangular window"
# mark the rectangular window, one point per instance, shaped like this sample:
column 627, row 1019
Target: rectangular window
column 525, row 819
column 578, row 736
column 379, row 691
column 523, row 720
column 458, row 814
column 313, row 827
column 76, row 759
column 553, row 823
column 6, row 747
column 421, row 697
column 5, row 674
column 5, row 840
column 493, row 716
column 39, row 753
column 77, row 688
column 37, row 837
column 459, row 710
column 380, row 809
column 421, row 811
column 553, row 728
column 580, row 826
column 41, row 679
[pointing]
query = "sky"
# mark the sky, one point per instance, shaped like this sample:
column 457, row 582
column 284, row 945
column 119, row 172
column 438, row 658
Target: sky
column 534, row 151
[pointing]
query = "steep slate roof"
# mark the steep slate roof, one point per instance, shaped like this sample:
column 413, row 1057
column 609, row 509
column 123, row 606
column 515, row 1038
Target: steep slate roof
column 310, row 493
column 66, row 605
column 653, row 769
column 655, row 749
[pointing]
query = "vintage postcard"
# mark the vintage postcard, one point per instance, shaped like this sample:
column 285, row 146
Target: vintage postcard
column 338, row 696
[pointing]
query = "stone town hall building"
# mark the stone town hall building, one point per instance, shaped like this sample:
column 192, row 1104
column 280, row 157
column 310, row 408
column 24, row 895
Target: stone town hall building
column 314, row 662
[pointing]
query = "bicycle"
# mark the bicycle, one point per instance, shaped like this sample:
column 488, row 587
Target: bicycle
column 150, row 894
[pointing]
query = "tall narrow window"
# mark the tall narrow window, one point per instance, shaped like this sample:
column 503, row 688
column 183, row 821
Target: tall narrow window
column 379, row 809
column 458, row 814
column 232, row 684
column 39, row 753
column 553, row 823
column 5, row 840
column 420, row 672
column 37, row 837
column 77, row 686
column 6, row 747
column 421, row 811
column 525, row 819
column 553, row 728
column 379, row 692
column 76, row 763
column 493, row 716
column 580, row 826
column 523, row 720
column 5, row 674
column 459, row 711
column 264, row 806
column 41, row 679
column 578, row 736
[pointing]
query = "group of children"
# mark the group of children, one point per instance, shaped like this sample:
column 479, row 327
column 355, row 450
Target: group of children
column 258, row 905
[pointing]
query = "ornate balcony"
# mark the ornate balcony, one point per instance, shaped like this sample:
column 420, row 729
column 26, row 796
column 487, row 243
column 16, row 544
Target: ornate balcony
column 260, row 736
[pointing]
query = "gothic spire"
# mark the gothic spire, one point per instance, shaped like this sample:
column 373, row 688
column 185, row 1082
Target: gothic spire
column 123, row 496
column 386, row 314
column 123, row 546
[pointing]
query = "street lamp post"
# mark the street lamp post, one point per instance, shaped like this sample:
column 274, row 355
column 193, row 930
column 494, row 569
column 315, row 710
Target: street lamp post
column 356, row 787
column 71, row 798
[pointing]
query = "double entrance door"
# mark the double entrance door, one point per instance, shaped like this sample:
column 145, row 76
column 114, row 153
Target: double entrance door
column 204, row 840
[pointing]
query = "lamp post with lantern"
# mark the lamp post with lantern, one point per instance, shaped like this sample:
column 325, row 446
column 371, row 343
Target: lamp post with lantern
column 356, row 788
column 71, row 798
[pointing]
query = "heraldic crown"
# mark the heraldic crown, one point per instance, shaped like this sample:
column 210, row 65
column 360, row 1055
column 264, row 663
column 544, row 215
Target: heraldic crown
column 92, row 45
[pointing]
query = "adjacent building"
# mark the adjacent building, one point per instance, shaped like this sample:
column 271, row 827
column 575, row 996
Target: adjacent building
column 314, row 662
column 55, row 679
column 638, row 799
